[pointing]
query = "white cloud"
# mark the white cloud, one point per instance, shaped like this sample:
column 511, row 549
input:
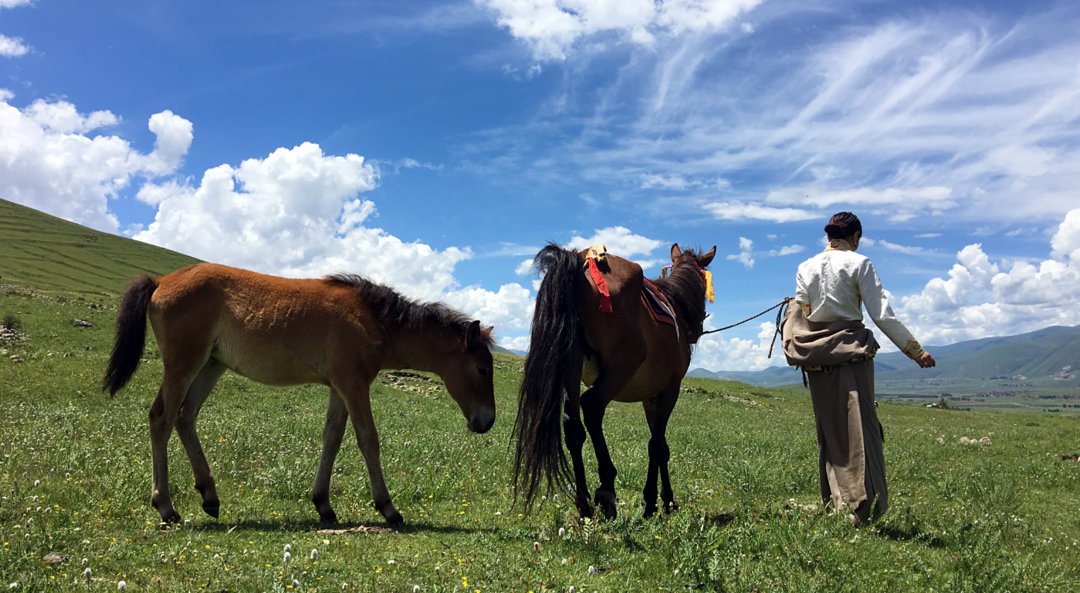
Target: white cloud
column 982, row 298
column 524, row 268
column 905, row 249
column 740, row 211
column 12, row 47
column 509, row 309
column 619, row 240
column 55, row 159
column 785, row 250
column 1066, row 241
column 745, row 256
column 552, row 28
column 13, row 3
column 717, row 353
column 897, row 204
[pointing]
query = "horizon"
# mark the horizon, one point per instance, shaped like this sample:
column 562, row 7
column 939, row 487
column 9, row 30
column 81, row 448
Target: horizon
column 435, row 147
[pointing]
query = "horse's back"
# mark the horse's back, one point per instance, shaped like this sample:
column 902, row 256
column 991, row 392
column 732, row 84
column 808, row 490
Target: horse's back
column 271, row 329
column 629, row 336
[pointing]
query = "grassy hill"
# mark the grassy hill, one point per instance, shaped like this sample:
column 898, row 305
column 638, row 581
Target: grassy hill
column 54, row 255
column 75, row 480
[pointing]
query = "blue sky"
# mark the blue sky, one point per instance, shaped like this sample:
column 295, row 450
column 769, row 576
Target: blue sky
column 437, row 146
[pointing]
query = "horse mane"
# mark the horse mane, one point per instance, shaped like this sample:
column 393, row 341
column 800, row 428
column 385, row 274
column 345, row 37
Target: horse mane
column 401, row 312
column 685, row 290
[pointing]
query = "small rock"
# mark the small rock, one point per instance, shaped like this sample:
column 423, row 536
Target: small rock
column 81, row 323
column 54, row 558
column 16, row 358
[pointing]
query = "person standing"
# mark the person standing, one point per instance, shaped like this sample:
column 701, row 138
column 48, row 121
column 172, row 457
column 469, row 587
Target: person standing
column 824, row 334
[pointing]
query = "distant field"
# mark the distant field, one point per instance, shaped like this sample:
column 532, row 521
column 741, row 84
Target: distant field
column 51, row 254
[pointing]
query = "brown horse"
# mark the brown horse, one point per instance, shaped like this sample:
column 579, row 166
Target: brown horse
column 339, row 331
column 625, row 355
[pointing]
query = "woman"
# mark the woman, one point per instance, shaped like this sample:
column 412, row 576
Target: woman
column 824, row 334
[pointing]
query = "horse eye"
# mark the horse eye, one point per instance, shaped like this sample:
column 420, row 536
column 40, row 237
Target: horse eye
column 483, row 372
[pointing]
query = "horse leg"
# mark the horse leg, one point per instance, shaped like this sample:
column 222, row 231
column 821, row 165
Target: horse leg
column 333, row 431
column 185, row 428
column 163, row 416
column 367, row 437
column 594, row 405
column 575, row 441
column 657, row 413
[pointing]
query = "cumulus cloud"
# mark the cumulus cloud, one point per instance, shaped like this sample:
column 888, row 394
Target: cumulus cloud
column 745, row 256
column 619, row 240
column 509, row 309
column 552, row 28
column 718, row 353
column 13, row 3
column 12, row 47
column 981, row 297
column 56, row 159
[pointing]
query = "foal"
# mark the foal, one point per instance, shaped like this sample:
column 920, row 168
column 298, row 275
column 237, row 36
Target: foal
column 339, row 331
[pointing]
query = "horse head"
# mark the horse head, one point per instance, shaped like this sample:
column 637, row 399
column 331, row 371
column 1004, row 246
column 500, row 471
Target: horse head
column 679, row 257
column 469, row 377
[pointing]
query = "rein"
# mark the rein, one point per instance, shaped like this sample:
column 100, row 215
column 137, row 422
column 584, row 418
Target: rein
column 779, row 319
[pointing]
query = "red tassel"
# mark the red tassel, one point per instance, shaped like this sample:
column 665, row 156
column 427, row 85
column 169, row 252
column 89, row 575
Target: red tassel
column 601, row 286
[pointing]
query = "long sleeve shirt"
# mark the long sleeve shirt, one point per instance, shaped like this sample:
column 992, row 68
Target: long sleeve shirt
column 833, row 285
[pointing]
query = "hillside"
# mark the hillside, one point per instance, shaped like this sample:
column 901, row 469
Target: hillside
column 51, row 254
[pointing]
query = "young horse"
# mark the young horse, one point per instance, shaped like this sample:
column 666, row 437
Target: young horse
column 625, row 355
column 338, row 331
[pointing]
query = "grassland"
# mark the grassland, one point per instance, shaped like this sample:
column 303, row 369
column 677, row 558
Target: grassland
column 54, row 255
column 75, row 479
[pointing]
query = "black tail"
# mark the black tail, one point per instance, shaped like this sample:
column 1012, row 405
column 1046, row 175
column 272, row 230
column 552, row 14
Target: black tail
column 130, row 335
column 554, row 348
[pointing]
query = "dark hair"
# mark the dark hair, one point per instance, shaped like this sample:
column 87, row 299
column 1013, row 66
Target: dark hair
column 843, row 225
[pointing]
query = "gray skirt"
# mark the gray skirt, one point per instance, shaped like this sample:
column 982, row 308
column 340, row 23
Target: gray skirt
column 851, row 461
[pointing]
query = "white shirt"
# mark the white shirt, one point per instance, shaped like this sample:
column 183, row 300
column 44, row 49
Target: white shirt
column 835, row 283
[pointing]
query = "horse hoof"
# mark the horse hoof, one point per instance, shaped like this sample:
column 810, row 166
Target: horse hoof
column 212, row 508
column 394, row 519
column 650, row 510
column 171, row 518
column 670, row 507
column 606, row 501
column 329, row 518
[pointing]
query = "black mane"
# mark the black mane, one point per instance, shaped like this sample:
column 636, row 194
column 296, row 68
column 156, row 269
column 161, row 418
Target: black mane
column 685, row 290
column 399, row 311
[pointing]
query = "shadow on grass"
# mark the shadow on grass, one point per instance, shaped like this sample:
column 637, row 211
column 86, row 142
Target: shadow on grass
column 315, row 526
column 909, row 533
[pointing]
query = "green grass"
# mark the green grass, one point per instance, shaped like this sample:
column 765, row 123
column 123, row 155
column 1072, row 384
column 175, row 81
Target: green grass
column 55, row 255
column 75, row 479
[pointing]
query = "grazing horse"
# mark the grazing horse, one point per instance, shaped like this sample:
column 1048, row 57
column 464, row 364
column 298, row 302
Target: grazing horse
column 339, row 331
column 623, row 355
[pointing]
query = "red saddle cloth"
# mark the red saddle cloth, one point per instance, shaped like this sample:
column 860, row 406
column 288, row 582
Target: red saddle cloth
column 657, row 303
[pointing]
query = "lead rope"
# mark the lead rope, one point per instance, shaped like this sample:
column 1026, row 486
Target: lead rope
column 779, row 320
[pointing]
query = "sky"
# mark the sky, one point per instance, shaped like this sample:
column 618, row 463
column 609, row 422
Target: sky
column 437, row 146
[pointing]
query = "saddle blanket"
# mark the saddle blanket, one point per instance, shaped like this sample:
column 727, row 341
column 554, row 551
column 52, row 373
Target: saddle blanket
column 657, row 303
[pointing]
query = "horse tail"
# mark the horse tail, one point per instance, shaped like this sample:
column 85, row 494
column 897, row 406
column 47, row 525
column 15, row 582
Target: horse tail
column 130, row 334
column 554, row 349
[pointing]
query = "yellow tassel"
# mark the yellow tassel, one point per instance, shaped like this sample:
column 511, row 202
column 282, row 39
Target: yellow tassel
column 708, row 287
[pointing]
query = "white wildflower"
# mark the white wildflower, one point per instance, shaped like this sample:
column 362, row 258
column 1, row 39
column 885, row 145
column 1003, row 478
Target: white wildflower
column 314, row 554
column 295, row 584
column 592, row 569
column 121, row 586
column 416, row 589
column 562, row 532
column 87, row 574
column 286, row 557
column 288, row 548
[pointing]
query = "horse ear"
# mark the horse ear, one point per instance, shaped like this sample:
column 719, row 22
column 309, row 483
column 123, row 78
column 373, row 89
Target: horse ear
column 676, row 253
column 473, row 335
column 706, row 259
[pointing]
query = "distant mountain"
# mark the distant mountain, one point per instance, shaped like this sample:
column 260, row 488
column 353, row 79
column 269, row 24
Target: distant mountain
column 1044, row 359
column 504, row 350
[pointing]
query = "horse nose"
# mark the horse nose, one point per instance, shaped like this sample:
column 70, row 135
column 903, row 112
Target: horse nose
column 482, row 423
